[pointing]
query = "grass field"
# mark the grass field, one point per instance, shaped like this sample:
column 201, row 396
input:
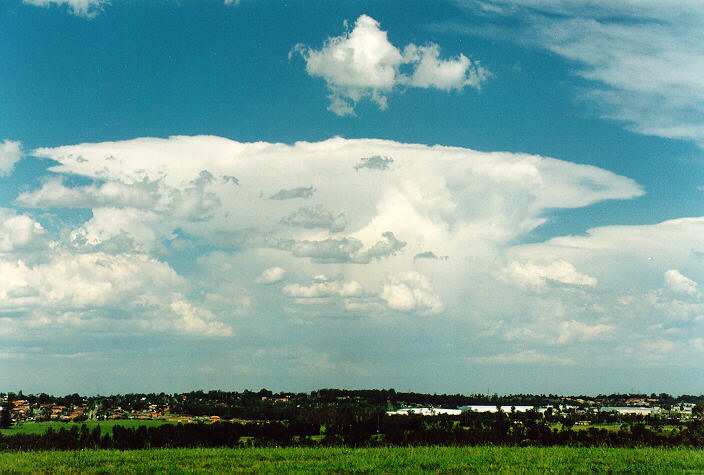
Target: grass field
column 410, row 459
column 105, row 426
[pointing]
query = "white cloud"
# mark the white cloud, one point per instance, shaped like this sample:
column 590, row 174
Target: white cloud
column 85, row 280
column 431, row 71
column 17, row 231
column 203, row 203
column 10, row 153
column 54, row 194
column 536, row 275
column 152, row 195
column 80, row 289
column 410, row 291
column 321, row 287
column 84, row 8
column 364, row 64
column 681, row 284
column 195, row 321
column 631, row 304
column 271, row 276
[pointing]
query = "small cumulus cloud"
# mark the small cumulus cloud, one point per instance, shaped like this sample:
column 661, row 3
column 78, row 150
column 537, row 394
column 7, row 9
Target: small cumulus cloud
column 534, row 275
column 10, row 153
column 431, row 71
column 321, row 287
column 271, row 276
column 194, row 321
column 17, row 231
column 411, row 292
column 362, row 63
column 681, row 284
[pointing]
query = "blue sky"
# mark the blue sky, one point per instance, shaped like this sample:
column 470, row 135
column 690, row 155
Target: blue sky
column 453, row 196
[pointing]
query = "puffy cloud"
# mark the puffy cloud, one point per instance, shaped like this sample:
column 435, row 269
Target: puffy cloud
column 17, row 231
column 10, row 153
column 410, row 291
column 84, row 281
column 54, row 194
column 321, row 287
column 271, row 276
column 84, row 288
column 431, row 71
column 536, row 275
column 639, row 254
column 196, row 321
column 631, row 304
column 681, row 284
column 84, row 8
column 362, row 63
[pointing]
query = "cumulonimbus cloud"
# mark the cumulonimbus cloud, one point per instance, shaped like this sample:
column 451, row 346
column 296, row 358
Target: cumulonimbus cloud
column 434, row 235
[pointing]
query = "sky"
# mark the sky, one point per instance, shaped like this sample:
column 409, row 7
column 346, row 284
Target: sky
column 467, row 196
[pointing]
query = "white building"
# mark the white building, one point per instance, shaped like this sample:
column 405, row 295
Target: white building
column 487, row 408
column 425, row 411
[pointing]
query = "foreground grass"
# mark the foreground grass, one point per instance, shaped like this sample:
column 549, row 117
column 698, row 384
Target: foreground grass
column 392, row 459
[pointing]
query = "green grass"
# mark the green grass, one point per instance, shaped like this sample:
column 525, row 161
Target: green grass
column 411, row 459
column 105, row 426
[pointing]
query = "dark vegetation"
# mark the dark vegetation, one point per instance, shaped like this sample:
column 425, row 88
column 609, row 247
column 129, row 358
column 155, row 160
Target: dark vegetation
column 362, row 429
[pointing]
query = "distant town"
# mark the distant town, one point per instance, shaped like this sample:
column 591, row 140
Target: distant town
column 219, row 405
column 350, row 418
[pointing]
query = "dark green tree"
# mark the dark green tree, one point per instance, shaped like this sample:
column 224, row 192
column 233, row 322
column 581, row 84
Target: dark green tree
column 5, row 418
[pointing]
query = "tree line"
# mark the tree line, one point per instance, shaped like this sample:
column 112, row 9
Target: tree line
column 362, row 430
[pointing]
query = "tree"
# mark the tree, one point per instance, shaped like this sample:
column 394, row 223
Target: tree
column 5, row 419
